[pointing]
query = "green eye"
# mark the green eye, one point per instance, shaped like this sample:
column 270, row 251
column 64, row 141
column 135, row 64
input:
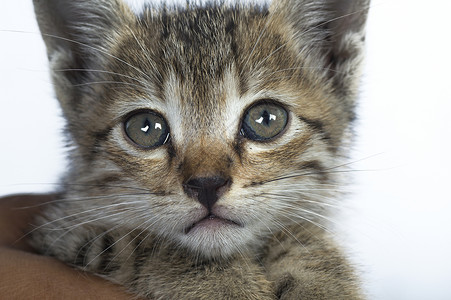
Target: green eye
column 147, row 129
column 264, row 121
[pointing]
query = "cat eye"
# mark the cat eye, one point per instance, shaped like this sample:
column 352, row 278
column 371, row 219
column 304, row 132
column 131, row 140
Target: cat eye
column 264, row 121
column 147, row 129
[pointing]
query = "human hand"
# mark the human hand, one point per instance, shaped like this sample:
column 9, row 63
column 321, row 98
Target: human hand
column 26, row 275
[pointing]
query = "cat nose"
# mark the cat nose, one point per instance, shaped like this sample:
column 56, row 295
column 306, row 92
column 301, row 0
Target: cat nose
column 207, row 190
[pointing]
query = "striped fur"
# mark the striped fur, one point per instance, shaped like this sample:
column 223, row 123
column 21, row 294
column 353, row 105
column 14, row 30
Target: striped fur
column 124, row 213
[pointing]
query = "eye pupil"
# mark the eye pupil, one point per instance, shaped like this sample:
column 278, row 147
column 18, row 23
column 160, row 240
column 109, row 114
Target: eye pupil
column 264, row 121
column 146, row 126
column 146, row 129
column 266, row 118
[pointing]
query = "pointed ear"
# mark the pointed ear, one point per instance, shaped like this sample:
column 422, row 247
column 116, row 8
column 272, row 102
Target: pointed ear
column 346, row 30
column 80, row 29
column 332, row 31
column 78, row 35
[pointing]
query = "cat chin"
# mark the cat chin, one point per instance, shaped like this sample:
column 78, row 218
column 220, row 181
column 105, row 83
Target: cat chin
column 211, row 234
column 211, row 224
column 216, row 238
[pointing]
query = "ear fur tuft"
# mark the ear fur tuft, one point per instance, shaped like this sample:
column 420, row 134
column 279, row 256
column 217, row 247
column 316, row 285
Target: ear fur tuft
column 330, row 35
column 82, row 28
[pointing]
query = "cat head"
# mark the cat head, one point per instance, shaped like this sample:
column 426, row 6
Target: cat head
column 209, row 126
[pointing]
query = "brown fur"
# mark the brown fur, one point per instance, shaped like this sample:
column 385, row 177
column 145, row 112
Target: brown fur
column 125, row 212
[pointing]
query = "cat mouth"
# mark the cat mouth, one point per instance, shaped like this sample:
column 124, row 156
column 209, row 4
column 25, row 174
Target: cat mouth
column 211, row 221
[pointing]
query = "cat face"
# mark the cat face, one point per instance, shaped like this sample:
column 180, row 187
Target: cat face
column 208, row 127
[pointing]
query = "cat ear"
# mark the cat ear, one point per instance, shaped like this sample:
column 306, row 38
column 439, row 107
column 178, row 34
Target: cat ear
column 80, row 29
column 334, row 29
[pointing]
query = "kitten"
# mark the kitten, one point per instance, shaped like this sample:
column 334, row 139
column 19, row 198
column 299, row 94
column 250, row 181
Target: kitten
column 204, row 144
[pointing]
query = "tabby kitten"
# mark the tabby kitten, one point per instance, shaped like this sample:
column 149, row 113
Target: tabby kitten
column 204, row 144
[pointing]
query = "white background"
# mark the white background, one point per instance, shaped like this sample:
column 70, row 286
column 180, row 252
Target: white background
column 397, row 223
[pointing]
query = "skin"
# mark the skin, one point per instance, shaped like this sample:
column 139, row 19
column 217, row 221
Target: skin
column 27, row 275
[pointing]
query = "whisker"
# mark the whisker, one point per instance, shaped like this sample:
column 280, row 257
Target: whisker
column 335, row 19
column 105, row 72
column 146, row 54
column 330, row 170
column 302, row 68
column 269, row 55
column 89, row 185
column 302, row 200
column 139, row 244
column 289, row 213
column 295, row 188
column 287, row 231
column 93, row 240
column 106, row 82
column 100, row 50
column 71, row 216
column 62, row 200
column 275, row 79
column 113, row 244
column 299, row 35
column 282, row 207
column 356, row 161
column 307, row 211
column 71, row 228
column 258, row 40
column 274, row 235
